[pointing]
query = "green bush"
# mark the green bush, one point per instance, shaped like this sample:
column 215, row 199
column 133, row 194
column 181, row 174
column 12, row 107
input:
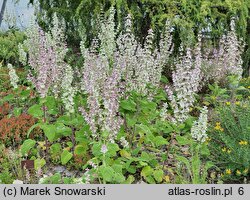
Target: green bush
column 230, row 140
column 9, row 46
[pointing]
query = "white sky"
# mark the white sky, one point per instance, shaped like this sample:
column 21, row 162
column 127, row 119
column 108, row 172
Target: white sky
column 21, row 12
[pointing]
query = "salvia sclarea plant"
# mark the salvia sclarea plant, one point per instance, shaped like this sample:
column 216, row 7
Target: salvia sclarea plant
column 101, row 78
column 101, row 87
column 120, row 66
column 186, row 79
column 45, row 53
column 226, row 59
column 199, row 128
column 142, row 64
column 13, row 76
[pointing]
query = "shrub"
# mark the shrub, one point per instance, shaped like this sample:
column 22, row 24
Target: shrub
column 14, row 129
column 9, row 46
column 230, row 140
column 4, row 109
column 10, row 167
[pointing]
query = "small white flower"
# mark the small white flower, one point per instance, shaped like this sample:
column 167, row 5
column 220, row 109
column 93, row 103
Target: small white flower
column 124, row 142
column 13, row 76
column 199, row 128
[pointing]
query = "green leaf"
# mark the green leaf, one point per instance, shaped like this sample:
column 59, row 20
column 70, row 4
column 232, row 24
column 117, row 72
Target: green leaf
column 68, row 121
column 96, row 149
column 117, row 168
column 9, row 97
column 204, row 150
column 182, row 140
column 130, row 168
column 118, row 178
column 65, row 119
column 131, row 120
column 143, row 128
column 63, row 130
column 112, row 149
column 150, row 179
column 69, row 144
column 56, row 179
column 158, row 175
column 49, row 130
column 146, row 171
column 107, row 173
column 125, row 154
column 142, row 164
column 209, row 165
column 196, row 164
column 185, row 161
column 129, row 105
column 32, row 128
column 55, row 149
column 147, row 106
column 17, row 111
column 168, row 129
column 241, row 88
column 50, row 103
column 66, row 156
column 159, row 141
column 136, row 151
column 145, row 157
column 67, row 180
column 27, row 146
column 35, row 111
column 129, row 180
column 80, row 135
column 39, row 163
column 164, row 79
column 25, row 93
column 78, row 121
column 81, row 150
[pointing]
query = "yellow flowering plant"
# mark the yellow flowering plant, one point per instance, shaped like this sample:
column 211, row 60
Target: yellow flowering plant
column 230, row 140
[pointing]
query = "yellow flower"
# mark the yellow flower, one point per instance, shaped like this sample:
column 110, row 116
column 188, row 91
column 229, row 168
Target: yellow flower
column 245, row 171
column 228, row 103
column 228, row 151
column 248, row 87
column 218, row 127
column 207, row 140
column 242, row 142
column 167, row 179
column 224, row 149
column 228, row 171
column 237, row 103
column 238, row 172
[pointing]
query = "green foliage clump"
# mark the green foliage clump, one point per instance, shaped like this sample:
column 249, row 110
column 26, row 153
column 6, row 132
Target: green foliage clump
column 9, row 46
column 10, row 167
column 230, row 139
